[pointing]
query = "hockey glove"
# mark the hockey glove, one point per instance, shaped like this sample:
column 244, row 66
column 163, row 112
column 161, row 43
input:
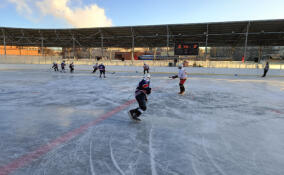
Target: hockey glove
column 148, row 91
column 174, row 77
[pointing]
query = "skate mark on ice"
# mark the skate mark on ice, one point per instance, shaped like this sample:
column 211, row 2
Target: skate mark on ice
column 131, row 164
column 254, row 160
column 211, row 159
column 257, row 169
column 229, row 151
column 113, row 159
column 91, row 160
column 108, row 167
column 193, row 166
column 256, row 121
column 152, row 156
column 166, row 168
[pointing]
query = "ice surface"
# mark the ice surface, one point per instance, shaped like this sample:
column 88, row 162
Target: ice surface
column 222, row 125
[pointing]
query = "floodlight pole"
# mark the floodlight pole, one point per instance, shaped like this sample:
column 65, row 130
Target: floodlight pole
column 168, row 40
column 73, row 47
column 4, row 40
column 42, row 51
column 259, row 54
column 133, row 44
column 246, row 42
column 205, row 56
column 102, row 46
column 102, row 43
column 155, row 54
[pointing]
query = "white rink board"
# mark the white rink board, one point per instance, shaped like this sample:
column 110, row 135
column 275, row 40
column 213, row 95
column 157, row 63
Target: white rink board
column 190, row 70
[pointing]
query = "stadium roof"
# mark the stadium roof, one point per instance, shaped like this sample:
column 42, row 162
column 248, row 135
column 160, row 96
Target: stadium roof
column 264, row 32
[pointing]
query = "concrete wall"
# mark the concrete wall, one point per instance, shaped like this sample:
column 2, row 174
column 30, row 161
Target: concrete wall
column 28, row 59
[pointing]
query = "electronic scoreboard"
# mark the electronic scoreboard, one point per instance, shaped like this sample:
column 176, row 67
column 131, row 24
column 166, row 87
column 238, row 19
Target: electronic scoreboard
column 186, row 49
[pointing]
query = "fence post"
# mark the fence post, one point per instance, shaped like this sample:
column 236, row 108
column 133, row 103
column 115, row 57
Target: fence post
column 246, row 42
column 280, row 69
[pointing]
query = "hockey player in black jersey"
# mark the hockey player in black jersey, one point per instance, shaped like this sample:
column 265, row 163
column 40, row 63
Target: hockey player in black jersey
column 102, row 69
column 63, row 66
column 55, row 66
column 71, row 67
column 143, row 89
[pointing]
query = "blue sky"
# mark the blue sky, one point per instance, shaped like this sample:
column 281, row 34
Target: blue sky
column 92, row 13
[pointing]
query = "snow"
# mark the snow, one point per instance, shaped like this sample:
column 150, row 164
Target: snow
column 222, row 125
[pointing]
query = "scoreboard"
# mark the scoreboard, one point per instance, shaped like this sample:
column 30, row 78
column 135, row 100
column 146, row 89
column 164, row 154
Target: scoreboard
column 186, row 49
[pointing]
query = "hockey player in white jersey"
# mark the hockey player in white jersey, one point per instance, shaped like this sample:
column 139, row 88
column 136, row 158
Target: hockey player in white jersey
column 182, row 76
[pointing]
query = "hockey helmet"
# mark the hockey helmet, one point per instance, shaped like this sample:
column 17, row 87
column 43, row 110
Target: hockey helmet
column 147, row 77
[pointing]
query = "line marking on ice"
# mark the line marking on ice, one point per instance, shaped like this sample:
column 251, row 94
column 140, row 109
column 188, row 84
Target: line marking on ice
column 30, row 157
column 277, row 111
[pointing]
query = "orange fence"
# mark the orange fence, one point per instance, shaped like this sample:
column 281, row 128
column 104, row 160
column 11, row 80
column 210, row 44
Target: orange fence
column 15, row 50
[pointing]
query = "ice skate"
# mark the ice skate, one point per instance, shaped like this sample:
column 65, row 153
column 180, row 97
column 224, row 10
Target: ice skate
column 136, row 119
column 132, row 116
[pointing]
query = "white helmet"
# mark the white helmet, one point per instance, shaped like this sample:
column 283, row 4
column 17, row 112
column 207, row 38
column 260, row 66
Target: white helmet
column 180, row 66
column 147, row 77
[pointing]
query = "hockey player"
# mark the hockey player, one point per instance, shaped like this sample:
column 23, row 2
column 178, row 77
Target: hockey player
column 71, row 67
column 55, row 66
column 96, row 66
column 146, row 68
column 63, row 66
column 102, row 69
column 266, row 68
column 182, row 76
column 143, row 89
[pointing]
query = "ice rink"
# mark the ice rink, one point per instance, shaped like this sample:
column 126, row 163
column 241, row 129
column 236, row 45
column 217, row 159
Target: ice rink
column 54, row 123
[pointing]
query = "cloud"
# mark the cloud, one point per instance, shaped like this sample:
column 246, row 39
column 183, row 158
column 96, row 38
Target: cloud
column 3, row 4
column 84, row 16
column 22, row 6
column 88, row 16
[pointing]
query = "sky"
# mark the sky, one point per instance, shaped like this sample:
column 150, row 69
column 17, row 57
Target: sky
column 106, row 13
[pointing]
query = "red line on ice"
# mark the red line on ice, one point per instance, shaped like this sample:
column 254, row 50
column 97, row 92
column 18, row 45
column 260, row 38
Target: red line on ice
column 28, row 158
column 278, row 112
